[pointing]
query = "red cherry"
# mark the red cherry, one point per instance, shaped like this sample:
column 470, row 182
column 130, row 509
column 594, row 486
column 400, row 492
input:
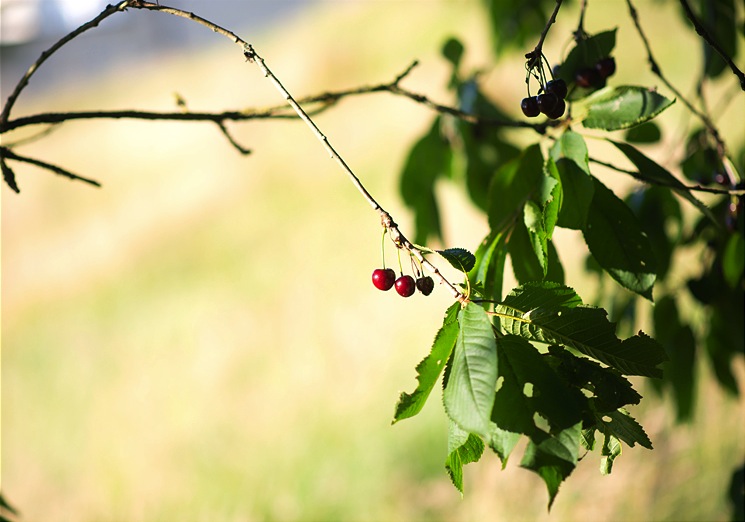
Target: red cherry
column 383, row 278
column 530, row 107
column 425, row 285
column 405, row 286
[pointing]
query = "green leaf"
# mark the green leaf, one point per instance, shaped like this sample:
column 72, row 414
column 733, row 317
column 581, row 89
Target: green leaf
column 428, row 160
column 459, row 258
column 680, row 345
column 469, row 393
column 488, row 270
column 428, row 371
column 610, row 450
column 502, row 442
column 452, row 50
column 616, row 241
column 650, row 170
column 554, row 459
column 571, row 159
column 733, row 260
column 646, row 133
column 526, row 265
column 622, row 107
column 463, row 448
column 624, row 427
column 530, row 385
column 554, row 314
column 719, row 17
column 515, row 24
column 513, row 185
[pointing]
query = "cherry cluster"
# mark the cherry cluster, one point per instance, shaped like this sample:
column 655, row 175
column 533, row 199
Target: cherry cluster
column 550, row 102
column 385, row 279
column 594, row 77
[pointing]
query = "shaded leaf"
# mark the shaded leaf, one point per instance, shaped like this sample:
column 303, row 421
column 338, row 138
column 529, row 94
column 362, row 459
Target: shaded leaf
column 616, row 241
column 586, row 53
column 622, row 107
column 646, row 133
column 428, row 371
column 469, row 394
column 459, row 258
column 554, row 458
column 654, row 172
column 513, row 184
column 526, row 374
column 551, row 313
column 428, row 159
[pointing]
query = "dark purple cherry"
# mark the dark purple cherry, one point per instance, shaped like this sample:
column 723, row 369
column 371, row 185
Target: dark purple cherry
column 587, row 77
column 557, row 111
column 606, row 67
column 425, row 285
column 530, row 107
column 405, row 286
column 547, row 101
column 557, row 87
column 383, row 278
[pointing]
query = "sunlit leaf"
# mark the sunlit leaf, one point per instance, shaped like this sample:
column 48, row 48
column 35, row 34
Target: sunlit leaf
column 459, row 258
column 463, row 448
column 428, row 371
column 571, row 159
column 614, row 108
column 469, row 393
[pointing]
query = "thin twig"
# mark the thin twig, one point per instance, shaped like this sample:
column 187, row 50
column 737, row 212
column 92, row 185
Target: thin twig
column 9, row 154
column 703, row 33
column 253, row 57
column 721, row 147
column 691, row 188
column 537, row 52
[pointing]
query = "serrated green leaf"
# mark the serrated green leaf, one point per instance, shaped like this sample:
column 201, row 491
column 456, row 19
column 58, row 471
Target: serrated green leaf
column 650, row 170
column 610, row 450
column 587, row 439
column 469, row 393
column 617, row 242
column 428, row 371
column 624, row 427
column 550, row 313
column 554, row 458
column 502, row 442
column 459, row 258
column 538, row 389
column 572, row 164
column 488, row 270
column 428, row 159
column 463, row 448
column 622, row 107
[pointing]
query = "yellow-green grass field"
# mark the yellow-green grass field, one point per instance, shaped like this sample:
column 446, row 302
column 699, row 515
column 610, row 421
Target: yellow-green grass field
column 200, row 340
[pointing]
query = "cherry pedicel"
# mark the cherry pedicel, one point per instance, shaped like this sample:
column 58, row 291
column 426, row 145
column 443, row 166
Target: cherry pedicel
column 383, row 278
column 425, row 285
column 405, row 286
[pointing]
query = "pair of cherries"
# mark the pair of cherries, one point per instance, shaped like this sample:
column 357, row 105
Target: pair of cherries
column 385, row 279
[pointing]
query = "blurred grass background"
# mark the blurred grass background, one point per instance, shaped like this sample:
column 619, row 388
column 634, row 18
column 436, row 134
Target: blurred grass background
column 199, row 339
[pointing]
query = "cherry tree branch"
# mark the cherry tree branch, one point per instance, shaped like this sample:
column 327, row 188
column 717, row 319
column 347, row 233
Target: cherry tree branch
column 654, row 66
column 703, row 33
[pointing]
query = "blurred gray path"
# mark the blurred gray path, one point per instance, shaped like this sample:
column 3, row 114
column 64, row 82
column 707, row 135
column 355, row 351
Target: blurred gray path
column 28, row 27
